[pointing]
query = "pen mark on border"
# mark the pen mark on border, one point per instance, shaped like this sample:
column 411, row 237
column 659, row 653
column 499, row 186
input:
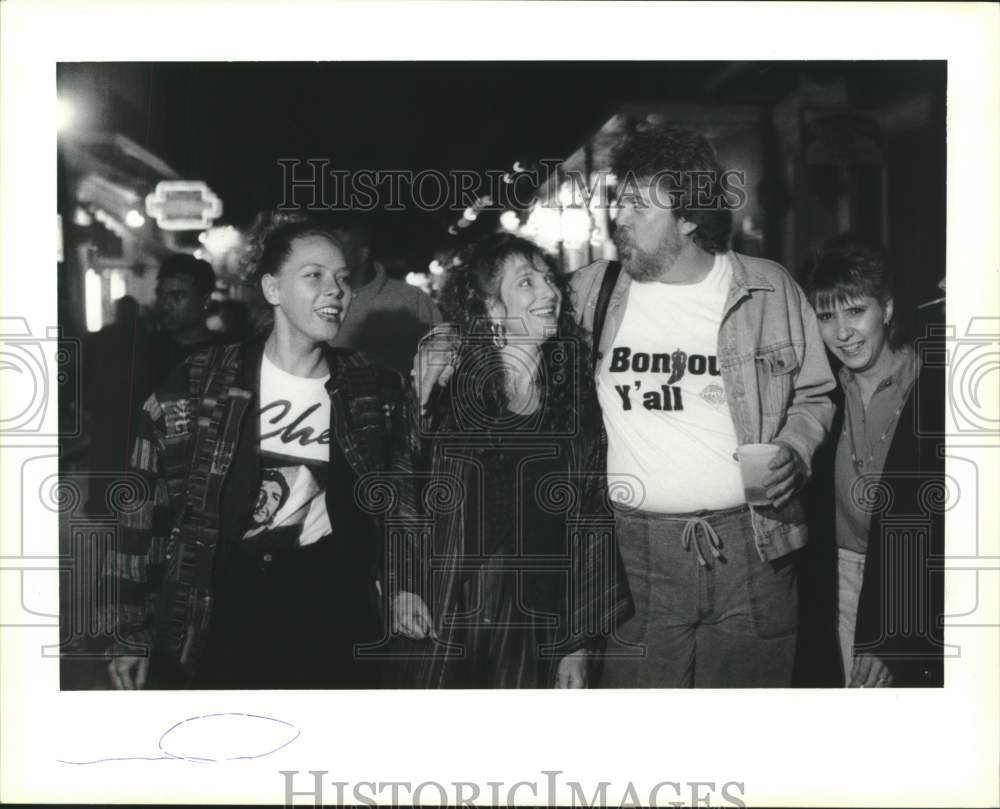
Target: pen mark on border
column 220, row 731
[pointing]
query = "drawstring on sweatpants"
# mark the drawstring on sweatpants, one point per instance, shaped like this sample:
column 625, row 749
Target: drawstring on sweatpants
column 690, row 534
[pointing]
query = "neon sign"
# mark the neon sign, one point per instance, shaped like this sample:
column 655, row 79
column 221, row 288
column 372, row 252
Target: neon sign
column 183, row 205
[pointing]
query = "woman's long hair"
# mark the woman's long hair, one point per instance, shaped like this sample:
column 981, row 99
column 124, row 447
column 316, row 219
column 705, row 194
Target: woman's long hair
column 564, row 376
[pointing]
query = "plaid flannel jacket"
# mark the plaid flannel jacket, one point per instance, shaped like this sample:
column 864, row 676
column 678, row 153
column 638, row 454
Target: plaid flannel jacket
column 159, row 575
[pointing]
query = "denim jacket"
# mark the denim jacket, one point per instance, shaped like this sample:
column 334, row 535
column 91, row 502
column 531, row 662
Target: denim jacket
column 773, row 365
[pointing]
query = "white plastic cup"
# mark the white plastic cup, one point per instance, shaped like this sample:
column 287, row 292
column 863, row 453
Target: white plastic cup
column 754, row 460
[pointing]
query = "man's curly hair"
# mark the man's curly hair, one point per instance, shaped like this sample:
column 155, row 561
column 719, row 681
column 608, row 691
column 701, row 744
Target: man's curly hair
column 465, row 298
column 688, row 168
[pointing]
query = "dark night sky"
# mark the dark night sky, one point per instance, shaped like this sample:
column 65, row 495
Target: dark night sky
column 229, row 123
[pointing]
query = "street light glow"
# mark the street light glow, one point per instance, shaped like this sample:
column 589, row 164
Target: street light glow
column 65, row 114
column 134, row 219
column 93, row 305
column 509, row 220
column 116, row 285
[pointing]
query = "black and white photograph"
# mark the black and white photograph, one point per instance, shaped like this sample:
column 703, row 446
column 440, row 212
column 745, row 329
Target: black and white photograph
column 223, row 461
column 377, row 394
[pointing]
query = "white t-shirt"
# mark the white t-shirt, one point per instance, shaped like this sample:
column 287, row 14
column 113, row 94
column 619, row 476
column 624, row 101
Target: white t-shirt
column 295, row 452
column 664, row 401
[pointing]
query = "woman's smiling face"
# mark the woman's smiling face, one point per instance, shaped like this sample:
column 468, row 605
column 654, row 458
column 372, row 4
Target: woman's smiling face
column 528, row 301
column 855, row 332
column 311, row 292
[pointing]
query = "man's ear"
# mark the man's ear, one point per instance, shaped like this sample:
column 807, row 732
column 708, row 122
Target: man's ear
column 887, row 312
column 269, row 286
column 686, row 226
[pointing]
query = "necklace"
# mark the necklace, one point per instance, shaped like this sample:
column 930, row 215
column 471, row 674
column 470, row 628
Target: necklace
column 522, row 392
column 904, row 395
column 849, row 432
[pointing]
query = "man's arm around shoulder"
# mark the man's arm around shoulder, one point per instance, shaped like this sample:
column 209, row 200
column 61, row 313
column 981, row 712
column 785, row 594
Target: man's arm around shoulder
column 585, row 284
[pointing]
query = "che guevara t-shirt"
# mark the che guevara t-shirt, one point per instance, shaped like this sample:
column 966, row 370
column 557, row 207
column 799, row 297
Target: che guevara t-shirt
column 290, row 508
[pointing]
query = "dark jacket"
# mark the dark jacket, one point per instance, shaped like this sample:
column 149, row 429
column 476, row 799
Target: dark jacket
column 196, row 455
column 596, row 599
column 901, row 607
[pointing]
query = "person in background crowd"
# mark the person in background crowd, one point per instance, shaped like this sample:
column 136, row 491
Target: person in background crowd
column 888, row 474
column 250, row 563
column 184, row 287
column 506, row 595
column 231, row 320
column 116, row 380
column 388, row 316
column 702, row 351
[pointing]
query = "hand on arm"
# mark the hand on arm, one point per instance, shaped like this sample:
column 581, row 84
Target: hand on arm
column 434, row 363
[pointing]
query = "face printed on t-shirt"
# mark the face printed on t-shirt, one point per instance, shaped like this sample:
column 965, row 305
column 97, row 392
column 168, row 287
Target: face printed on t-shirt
column 270, row 499
column 294, row 422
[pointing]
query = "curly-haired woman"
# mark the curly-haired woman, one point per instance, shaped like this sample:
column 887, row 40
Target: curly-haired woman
column 516, row 585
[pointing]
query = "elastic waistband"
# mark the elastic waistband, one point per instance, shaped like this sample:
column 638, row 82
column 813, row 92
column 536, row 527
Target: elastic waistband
column 697, row 529
column 707, row 515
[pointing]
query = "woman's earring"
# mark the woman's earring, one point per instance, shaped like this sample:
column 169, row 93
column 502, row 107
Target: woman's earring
column 499, row 334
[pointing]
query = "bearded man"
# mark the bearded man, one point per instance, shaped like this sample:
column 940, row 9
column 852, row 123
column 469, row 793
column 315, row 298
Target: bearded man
column 701, row 351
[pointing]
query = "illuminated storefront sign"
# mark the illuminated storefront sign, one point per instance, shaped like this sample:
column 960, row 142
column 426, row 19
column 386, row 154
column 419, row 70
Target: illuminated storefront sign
column 183, row 205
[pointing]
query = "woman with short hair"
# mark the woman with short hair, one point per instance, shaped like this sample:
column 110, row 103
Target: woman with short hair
column 889, row 473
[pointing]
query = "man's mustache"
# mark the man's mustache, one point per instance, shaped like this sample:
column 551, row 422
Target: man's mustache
column 622, row 238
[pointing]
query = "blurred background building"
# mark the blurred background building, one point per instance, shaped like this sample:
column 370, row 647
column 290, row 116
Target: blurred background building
column 161, row 158
column 114, row 228
column 825, row 148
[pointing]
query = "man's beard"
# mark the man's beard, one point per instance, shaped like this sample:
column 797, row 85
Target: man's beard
column 642, row 265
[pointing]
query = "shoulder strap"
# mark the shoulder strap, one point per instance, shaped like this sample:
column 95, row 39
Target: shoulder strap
column 611, row 274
